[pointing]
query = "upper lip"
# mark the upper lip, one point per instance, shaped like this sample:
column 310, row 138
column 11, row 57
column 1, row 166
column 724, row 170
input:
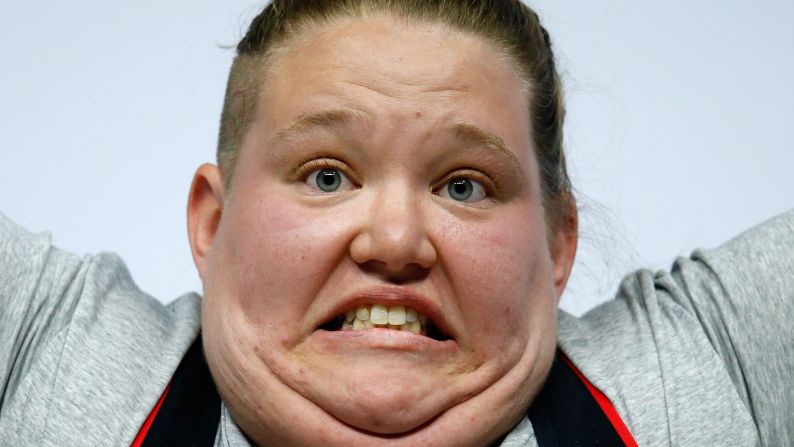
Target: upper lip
column 394, row 296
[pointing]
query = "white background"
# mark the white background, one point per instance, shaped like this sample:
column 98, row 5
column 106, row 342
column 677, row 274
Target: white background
column 679, row 129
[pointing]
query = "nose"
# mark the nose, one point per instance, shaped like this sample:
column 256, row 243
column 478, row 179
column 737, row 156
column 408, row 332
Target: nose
column 393, row 240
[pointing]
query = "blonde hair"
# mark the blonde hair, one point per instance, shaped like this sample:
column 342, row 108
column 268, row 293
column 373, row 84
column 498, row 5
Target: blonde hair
column 508, row 24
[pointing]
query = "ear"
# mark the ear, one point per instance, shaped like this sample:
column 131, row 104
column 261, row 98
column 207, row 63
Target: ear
column 204, row 209
column 563, row 249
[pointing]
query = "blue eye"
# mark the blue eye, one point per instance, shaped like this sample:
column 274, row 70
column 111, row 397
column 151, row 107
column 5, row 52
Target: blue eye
column 464, row 189
column 327, row 180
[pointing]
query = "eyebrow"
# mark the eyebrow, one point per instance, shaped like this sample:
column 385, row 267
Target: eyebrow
column 333, row 118
column 471, row 134
column 326, row 119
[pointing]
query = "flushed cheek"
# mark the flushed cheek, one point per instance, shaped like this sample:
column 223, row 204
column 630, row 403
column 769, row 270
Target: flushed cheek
column 278, row 257
column 499, row 271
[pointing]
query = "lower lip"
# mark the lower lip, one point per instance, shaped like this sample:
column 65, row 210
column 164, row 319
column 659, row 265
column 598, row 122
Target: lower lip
column 381, row 339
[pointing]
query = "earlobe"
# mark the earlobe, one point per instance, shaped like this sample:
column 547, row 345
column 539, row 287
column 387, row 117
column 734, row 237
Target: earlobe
column 204, row 210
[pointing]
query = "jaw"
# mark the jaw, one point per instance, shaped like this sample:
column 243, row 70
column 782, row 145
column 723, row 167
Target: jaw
column 380, row 381
column 366, row 394
column 394, row 405
column 326, row 389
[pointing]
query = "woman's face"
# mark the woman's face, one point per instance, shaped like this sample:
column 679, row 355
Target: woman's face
column 388, row 166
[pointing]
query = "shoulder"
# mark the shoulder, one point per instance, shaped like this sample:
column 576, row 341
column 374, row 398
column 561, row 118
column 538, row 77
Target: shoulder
column 117, row 359
column 699, row 355
column 96, row 351
column 650, row 357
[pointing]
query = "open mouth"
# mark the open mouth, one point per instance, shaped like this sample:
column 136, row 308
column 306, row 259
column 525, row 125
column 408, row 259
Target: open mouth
column 378, row 316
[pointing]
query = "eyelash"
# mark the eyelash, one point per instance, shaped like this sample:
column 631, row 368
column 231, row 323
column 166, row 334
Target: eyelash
column 491, row 187
column 309, row 166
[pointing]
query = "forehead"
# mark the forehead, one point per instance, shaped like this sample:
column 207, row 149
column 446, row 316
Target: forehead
column 392, row 70
column 382, row 48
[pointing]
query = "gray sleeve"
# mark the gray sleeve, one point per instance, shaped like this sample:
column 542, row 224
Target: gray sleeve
column 742, row 294
column 35, row 306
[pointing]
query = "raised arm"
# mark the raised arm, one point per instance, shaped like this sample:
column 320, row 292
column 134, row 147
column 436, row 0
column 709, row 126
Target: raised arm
column 743, row 295
column 34, row 303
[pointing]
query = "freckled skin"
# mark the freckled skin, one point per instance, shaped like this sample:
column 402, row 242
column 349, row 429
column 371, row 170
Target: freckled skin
column 284, row 255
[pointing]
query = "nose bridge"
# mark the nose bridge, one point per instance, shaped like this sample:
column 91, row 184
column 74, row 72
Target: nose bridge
column 395, row 232
column 395, row 217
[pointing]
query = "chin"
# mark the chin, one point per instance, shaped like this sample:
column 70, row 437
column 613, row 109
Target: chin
column 396, row 404
column 300, row 422
column 387, row 400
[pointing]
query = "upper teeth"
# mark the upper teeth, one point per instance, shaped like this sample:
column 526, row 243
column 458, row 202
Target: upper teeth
column 369, row 316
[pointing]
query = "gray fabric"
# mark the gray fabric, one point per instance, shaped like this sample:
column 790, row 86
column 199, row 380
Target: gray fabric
column 84, row 354
column 698, row 356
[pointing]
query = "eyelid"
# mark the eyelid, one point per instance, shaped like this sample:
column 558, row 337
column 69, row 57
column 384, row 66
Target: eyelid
column 315, row 164
column 490, row 185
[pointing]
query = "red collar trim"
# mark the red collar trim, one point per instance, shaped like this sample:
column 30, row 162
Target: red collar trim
column 606, row 406
column 138, row 442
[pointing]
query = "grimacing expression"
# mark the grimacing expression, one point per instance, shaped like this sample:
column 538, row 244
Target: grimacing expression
column 388, row 177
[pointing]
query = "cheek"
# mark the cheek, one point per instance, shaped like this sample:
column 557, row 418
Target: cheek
column 275, row 256
column 500, row 269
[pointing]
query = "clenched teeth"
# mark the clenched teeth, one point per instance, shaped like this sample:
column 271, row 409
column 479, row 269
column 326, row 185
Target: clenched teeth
column 385, row 317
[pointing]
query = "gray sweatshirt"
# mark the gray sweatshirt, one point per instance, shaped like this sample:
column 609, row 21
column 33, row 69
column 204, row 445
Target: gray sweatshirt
column 698, row 356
